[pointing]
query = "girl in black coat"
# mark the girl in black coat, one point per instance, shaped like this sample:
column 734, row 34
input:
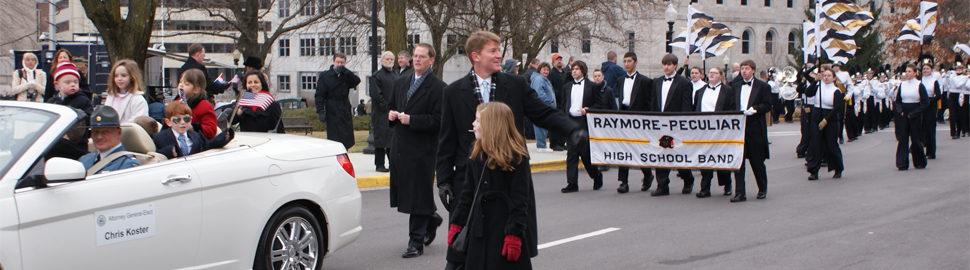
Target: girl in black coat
column 261, row 113
column 503, row 231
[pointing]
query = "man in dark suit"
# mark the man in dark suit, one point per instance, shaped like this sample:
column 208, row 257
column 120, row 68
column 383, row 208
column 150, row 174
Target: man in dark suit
column 755, row 96
column 414, row 112
column 485, row 83
column 715, row 97
column 634, row 91
column 672, row 93
column 196, row 56
column 333, row 87
column 580, row 95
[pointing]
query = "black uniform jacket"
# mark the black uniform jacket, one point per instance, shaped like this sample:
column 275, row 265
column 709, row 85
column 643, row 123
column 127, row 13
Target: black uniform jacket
column 413, row 146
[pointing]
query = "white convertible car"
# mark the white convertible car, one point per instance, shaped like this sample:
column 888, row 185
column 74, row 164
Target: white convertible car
column 265, row 201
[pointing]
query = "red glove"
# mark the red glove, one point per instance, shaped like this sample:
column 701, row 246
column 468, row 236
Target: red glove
column 512, row 248
column 452, row 230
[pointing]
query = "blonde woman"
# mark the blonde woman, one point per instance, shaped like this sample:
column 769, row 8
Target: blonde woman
column 125, row 89
column 29, row 83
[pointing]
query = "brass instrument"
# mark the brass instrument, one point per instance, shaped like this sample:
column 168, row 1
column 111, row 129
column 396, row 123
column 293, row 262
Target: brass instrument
column 789, row 76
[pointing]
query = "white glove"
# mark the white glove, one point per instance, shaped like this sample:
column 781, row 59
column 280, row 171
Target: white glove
column 748, row 112
column 752, row 110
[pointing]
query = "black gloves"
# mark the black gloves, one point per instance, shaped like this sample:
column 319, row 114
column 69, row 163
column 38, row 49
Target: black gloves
column 444, row 192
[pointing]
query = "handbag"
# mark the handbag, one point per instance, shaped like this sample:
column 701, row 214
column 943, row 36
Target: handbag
column 460, row 243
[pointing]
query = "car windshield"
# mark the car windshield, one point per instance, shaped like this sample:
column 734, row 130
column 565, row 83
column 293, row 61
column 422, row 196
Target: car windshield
column 19, row 129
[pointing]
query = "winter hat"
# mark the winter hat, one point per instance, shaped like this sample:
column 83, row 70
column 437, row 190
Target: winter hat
column 66, row 68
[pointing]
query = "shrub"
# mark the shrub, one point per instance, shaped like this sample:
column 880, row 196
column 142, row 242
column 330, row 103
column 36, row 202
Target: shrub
column 360, row 122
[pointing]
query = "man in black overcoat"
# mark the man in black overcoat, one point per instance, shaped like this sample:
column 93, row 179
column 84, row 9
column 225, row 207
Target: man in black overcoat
column 672, row 93
column 754, row 97
column 459, row 101
column 380, row 93
column 414, row 112
column 634, row 91
column 196, row 56
column 333, row 88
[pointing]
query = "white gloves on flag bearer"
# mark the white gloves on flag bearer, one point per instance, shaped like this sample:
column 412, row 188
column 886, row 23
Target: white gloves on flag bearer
column 750, row 111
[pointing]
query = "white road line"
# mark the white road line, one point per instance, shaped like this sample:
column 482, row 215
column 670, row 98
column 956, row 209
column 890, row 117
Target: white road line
column 578, row 237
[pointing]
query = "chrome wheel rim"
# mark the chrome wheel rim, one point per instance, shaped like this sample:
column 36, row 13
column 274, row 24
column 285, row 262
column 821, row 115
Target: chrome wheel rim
column 294, row 245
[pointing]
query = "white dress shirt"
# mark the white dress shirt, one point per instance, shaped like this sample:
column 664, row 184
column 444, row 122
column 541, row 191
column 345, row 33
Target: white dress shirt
column 188, row 142
column 826, row 96
column 909, row 91
column 485, row 87
column 628, row 88
column 698, row 86
column 928, row 82
column 709, row 100
column 745, row 94
column 664, row 90
column 576, row 99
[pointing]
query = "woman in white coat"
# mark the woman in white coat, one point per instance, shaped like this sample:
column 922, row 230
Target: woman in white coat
column 29, row 83
column 125, row 89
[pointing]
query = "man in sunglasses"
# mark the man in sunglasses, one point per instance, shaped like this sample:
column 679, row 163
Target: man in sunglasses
column 180, row 140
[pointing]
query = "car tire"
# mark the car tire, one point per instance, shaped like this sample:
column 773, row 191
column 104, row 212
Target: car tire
column 292, row 237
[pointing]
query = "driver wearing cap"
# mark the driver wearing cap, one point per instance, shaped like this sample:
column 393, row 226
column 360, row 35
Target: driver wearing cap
column 106, row 134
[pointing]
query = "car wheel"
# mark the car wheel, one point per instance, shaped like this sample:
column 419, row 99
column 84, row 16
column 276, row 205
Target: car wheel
column 292, row 239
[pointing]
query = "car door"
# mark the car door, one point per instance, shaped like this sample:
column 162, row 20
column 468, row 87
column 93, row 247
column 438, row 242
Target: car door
column 146, row 217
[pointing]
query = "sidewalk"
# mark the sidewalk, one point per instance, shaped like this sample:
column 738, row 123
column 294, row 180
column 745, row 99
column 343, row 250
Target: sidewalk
column 367, row 176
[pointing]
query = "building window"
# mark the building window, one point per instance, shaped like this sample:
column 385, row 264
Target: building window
column 693, row 1
column 769, row 41
column 309, row 9
column 284, row 47
column 328, row 46
column 631, row 41
column 587, row 42
column 284, row 6
column 744, row 2
column 308, row 81
column 791, row 3
column 413, row 39
column 554, row 46
column 791, row 42
column 308, row 47
column 370, row 44
column 348, row 45
column 720, row 2
column 452, row 40
column 283, row 83
column 745, row 42
column 767, row 3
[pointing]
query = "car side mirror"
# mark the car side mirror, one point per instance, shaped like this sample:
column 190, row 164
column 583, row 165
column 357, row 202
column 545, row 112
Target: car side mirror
column 59, row 170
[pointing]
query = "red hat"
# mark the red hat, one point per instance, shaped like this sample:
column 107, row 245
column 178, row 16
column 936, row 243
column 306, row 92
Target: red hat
column 556, row 56
column 66, row 68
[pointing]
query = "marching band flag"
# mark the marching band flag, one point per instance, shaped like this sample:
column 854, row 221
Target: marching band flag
column 911, row 31
column 963, row 47
column 839, row 20
column 810, row 46
column 685, row 140
column 927, row 19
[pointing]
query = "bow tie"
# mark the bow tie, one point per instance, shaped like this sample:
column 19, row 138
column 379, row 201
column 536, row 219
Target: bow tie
column 577, row 82
column 668, row 79
column 631, row 76
column 745, row 83
column 712, row 87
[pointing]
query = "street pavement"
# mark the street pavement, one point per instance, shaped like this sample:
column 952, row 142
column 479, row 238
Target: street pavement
column 875, row 217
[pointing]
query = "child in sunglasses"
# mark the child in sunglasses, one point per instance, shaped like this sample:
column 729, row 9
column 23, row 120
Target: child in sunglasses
column 180, row 140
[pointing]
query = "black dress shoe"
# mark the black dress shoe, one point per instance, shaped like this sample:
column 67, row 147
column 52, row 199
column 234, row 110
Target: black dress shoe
column 727, row 190
column 412, row 252
column 570, row 188
column 382, row 169
column 703, row 194
column 624, row 188
column 921, row 167
column 903, row 168
column 687, row 190
column 660, row 192
column 598, row 183
column 762, row 195
column 646, row 183
column 800, row 155
column 739, row 198
column 837, row 175
column 813, row 176
column 433, row 230
column 557, row 148
column 930, row 157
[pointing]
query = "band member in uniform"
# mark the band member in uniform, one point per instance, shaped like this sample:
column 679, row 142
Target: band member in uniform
column 934, row 93
column 807, row 80
column 755, row 95
column 671, row 93
column 846, row 80
column 635, row 89
column 414, row 114
column 957, row 82
column 829, row 106
column 911, row 104
column 485, row 83
column 871, row 123
column 579, row 96
column 716, row 97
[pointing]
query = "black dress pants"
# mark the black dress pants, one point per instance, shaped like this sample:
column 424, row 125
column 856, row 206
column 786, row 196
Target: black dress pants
column 379, row 154
column 824, row 145
column 576, row 151
column 418, row 226
column 789, row 110
column 624, row 174
column 872, row 115
column 663, row 178
column 806, row 118
column 723, row 178
column 908, row 138
column 956, row 118
column 760, row 176
column 928, row 136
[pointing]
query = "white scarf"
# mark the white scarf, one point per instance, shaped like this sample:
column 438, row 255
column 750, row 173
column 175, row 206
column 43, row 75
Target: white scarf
column 28, row 71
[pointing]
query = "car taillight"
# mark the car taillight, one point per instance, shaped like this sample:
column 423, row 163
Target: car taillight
column 344, row 161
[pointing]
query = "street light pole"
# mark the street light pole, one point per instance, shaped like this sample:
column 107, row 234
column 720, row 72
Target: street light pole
column 670, row 35
column 670, row 15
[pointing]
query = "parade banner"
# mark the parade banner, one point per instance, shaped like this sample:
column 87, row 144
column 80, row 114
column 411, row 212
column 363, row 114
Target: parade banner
column 685, row 140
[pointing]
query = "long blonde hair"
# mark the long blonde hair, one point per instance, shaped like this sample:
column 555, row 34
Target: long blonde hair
column 134, row 74
column 500, row 140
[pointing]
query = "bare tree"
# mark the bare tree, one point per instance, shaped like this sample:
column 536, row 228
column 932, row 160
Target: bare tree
column 126, row 36
column 952, row 22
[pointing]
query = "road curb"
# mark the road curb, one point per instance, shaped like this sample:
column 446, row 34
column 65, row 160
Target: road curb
column 385, row 180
